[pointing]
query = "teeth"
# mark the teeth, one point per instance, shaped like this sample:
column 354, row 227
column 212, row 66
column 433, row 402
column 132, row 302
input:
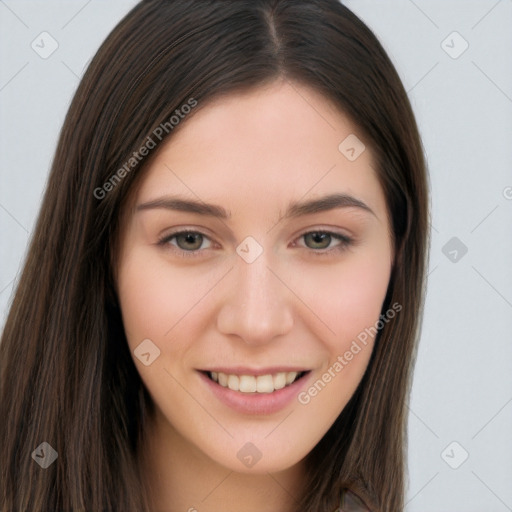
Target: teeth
column 279, row 380
column 233, row 382
column 264, row 384
column 290, row 377
column 222, row 379
column 251, row 384
column 247, row 384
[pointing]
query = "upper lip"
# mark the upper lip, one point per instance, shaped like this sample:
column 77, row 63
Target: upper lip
column 244, row 370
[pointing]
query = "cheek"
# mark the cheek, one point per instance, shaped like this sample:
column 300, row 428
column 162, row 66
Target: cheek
column 152, row 298
column 349, row 301
column 143, row 296
column 347, row 297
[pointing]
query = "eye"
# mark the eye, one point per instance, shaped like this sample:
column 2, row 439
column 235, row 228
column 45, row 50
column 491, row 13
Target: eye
column 321, row 241
column 190, row 243
column 187, row 242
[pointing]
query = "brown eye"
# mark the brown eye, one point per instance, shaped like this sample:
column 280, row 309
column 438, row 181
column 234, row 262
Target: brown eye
column 317, row 240
column 186, row 243
column 189, row 241
column 321, row 241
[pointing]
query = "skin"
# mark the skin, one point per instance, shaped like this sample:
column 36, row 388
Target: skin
column 253, row 154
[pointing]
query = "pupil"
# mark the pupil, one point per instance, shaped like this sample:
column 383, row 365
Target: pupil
column 192, row 239
column 318, row 238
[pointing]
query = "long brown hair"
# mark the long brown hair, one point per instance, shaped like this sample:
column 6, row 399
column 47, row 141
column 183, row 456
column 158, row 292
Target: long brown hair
column 67, row 377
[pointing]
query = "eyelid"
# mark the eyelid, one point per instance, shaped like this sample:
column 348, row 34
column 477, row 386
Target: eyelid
column 344, row 241
column 164, row 240
column 337, row 236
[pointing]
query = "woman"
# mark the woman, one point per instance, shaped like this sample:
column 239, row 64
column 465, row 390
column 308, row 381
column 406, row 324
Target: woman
column 223, row 293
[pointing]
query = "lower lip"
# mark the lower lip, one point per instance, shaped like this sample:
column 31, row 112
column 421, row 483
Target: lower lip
column 256, row 403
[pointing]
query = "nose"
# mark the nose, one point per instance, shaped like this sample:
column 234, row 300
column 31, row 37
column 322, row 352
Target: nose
column 257, row 305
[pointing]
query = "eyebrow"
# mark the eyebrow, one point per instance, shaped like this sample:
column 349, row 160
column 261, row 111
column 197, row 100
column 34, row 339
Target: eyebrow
column 296, row 209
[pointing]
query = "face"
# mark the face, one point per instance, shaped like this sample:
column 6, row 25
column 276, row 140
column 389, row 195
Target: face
column 254, row 261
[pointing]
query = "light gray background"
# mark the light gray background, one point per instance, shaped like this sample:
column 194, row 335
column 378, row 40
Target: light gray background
column 462, row 389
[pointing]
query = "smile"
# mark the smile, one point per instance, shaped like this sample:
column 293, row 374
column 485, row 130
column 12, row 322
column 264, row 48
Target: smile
column 255, row 391
column 255, row 384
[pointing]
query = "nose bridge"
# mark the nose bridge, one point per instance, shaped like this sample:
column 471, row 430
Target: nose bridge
column 255, row 283
column 257, row 306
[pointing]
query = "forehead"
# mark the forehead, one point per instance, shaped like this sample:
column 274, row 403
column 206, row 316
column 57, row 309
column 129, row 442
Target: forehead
column 262, row 149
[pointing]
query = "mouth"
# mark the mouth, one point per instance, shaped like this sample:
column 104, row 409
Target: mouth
column 255, row 392
column 252, row 384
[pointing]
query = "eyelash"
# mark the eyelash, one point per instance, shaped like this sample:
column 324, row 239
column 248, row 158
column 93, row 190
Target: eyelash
column 345, row 243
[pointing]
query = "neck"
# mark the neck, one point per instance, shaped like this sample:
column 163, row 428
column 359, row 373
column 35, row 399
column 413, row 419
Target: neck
column 181, row 478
